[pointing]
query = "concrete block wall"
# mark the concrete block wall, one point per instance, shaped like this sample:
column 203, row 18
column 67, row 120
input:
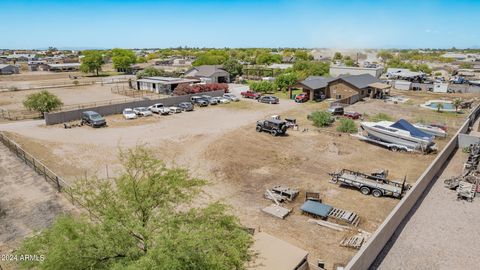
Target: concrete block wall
column 66, row 116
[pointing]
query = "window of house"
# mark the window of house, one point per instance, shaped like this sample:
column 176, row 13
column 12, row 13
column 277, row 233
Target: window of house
column 338, row 97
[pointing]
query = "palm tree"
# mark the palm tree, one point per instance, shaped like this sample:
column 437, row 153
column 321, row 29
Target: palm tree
column 457, row 102
column 439, row 106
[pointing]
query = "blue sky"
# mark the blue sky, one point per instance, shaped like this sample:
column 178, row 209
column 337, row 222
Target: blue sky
column 260, row 23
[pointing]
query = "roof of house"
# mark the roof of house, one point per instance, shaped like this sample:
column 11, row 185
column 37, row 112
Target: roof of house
column 206, row 70
column 5, row 65
column 360, row 81
column 167, row 80
column 274, row 253
column 317, row 82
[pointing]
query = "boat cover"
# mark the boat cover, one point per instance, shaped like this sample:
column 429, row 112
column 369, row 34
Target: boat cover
column 415, row 132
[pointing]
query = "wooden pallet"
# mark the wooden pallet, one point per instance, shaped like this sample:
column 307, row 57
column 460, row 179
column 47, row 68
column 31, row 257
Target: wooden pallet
column 345, row 216
column 355, row 241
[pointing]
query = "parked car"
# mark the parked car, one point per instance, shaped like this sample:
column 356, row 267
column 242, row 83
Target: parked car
column 336, row 110
column 142, row 111
column 200, row 101
column 210, row 99
column 93, row 119
column 159, row 108
column 269, row 100
column 303, row 97
column 185, row 106
column 174, row 109
column 222, row 100
column 128, row 113
column 273, row 126
column 250, row 94
column 232, row 97
column 352, row 115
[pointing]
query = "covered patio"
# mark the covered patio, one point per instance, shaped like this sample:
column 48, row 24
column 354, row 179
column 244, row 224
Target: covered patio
column 379, row 90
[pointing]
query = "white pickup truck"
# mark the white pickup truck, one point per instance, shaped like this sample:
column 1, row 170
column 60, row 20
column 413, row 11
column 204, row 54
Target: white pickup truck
column 159, row 108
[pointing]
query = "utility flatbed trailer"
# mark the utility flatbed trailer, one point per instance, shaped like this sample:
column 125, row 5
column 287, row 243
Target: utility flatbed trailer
column 376, row 184
column 391, row 146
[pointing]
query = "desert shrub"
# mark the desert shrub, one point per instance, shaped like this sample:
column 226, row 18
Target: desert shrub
column 347, row 126
column 321, row 119
column 75, row 82
column 381, row 117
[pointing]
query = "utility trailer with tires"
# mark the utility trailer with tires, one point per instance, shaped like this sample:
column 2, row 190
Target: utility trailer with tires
column 376, row 184
column 391, row 146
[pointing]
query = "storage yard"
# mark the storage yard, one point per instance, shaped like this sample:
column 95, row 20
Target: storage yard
column 220, row 144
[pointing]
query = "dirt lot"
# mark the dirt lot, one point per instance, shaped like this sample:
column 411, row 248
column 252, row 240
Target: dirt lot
column 27, row 202
column 220, row 144
column 12, row 100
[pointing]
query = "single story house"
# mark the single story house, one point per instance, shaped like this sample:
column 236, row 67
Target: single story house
column 8, row 69
column 345, row 89
column 209, row 74
column 162, row 85
column 343, row 70
column 273, row 253
column 64, row 67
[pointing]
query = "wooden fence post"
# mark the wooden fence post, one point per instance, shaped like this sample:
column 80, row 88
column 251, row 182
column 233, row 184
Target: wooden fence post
column 58, row 184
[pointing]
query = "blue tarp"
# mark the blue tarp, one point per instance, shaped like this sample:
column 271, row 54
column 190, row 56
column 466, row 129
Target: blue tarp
column 415, row 132
column 316, row 208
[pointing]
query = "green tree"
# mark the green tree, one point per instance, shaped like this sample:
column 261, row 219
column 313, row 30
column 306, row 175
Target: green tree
column 123, row 59
column 141, row 220
column 283, row 81
column 302, row 55
column 266, row 58
column 385, row 55
column 92, row 62
column 150, row 72
column 141, row 59
column 212, row 57
column 262, row 86
column 337, row 56
column 309, row 68
column 457, row 102
column 347, row 126
column 439, row 107
column 42, row 102
column 321, row 119
column 349, row 62
column 233, row 67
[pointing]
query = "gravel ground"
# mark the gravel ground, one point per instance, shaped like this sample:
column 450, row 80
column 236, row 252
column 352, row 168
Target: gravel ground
column 441, row 232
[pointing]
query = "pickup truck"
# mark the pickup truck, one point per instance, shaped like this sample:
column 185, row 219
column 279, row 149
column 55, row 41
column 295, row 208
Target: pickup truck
column 251, row 94
column 159, row 108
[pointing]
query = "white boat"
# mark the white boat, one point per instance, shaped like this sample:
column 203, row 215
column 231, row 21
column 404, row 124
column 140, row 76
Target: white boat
column 435, row 131
column 401, row 133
